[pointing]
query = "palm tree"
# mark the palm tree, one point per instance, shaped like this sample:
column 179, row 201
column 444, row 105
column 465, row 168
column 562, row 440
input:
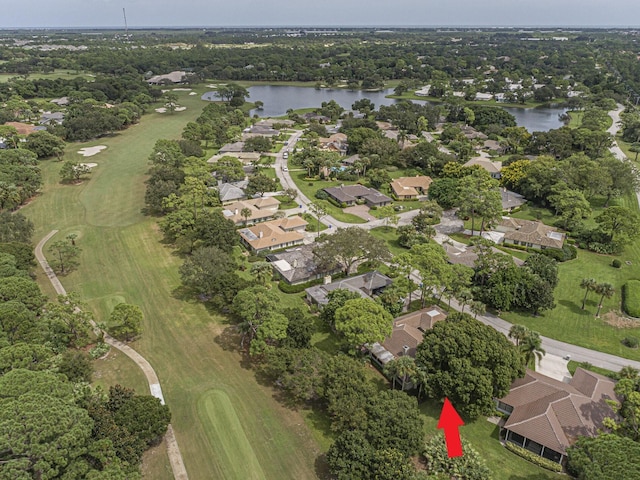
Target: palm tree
column 628, row 372
column 405, row 368
column 390, row 371
column 589, row 284
column 605, row 290
column 518, row 333
column 245, row 213
column 531, row 348
column 478, row 308
column 262, row 272
column 419, row 378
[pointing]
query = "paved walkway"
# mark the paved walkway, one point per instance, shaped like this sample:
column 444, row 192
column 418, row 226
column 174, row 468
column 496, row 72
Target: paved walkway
column 173, row 451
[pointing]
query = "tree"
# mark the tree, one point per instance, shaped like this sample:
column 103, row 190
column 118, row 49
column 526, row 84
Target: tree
column 531, row 347
column 213, row 229
column 470, row 363
column 300, row 328
column 45, row 144
column 262, row 272
column 23, row 290
column 350, row 456
column 69, row 323
column 65, row 256
column 378, row 177
column 259, row 184
column 125, row 322
column 253, row 306
column 349, row 246
column 434, row 269
column 145, row 417
column 76, row 366
column 210, row 272
column 605, row 457
column 518, row 333
column 245, row 213
column 604, row 290
column 543, row 266
column 18, row 324
column 258, row 144
column 336, row 300
column 627, row 420
column 72, row 171
column 27, row 356
column 292, row 193
column 570, row 204
column 170, row 101
column 362, row 321
column 15, row 227
column 619, row 224
column 403, row 368
column 319, row 211
column 387, row 212
column 470, row 466
column 589, row 285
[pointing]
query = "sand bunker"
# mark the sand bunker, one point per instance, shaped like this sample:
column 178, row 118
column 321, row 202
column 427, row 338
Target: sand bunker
column 91, row 151
column 89, row 165
column 182, row 89
column 193, row 93
column 161, row 110
column 180, row 109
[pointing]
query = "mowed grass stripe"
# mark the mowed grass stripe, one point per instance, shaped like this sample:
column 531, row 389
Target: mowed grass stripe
column 227, row 437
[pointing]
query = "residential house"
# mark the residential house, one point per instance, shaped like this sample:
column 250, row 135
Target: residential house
column 244, row 157
column 296, row 265
column 176, row 76
column 467, row 255
column 494, row 168
column 471, row 133
column 275, row 234
column 366, row 285
column 409, row 188
column 262, row 209
column 232, row 192
column 493, row 145
column 310, row 116
column 61, row 102
column 262, row 131
column 235, row 147
column 350, row 194
column 547, row 416
column 334, row 143
column 511, row 200
column 23, row 128
column 530, row 233
column 407, row 334
column 51, row 118
column 484, row 96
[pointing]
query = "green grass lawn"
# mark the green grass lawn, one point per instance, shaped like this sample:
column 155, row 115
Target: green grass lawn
column 65, row 74
column 575, row 119
column 193, row 351
column 389, row 235
column 483, row 436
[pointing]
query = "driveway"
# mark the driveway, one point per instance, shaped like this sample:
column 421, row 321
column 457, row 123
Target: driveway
column 361, row 211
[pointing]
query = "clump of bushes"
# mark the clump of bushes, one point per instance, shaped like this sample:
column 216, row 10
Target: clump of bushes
column 533, row 458
column 616, row 263
column 631, row 342
column 631, row 298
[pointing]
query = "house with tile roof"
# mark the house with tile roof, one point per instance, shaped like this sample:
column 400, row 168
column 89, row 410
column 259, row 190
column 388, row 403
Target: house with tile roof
column 408, row 332
column 547, row 416
column 262, row 209
column 366, row 285
column 176, row 76
column 494, row 168
column 408, row 188
column 530, row 233
column 297, row 265
column 232, row 192
column 274, row 235
column 350, row 194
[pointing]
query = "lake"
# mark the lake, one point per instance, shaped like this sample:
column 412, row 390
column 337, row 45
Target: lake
column 278, row 99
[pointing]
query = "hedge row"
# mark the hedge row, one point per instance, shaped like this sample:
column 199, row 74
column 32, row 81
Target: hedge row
column 533, row 458
column 286, row 288
column 631, row 298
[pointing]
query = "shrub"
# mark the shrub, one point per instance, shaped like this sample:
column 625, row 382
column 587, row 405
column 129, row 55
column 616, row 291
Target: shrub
column 616, row 263
column 99, row 350
column 631, row 342
column 533, row 458
column 321, row 195
column 286, row 288
column 631, row 298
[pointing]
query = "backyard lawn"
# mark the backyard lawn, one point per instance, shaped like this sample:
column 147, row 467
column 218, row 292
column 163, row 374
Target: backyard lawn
column 194, row 352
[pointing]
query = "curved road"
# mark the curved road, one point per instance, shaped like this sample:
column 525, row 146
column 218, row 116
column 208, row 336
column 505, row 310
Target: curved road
column 173, row 451
column 551, row 346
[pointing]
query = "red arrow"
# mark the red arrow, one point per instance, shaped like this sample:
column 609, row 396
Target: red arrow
column 450, row 422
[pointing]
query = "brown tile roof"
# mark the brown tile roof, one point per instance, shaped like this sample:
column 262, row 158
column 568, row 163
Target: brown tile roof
column 22, row 128
column 410, row 185
column 409, row 329
column 273, row 234
column 555, row 414
column 485, row 163
column 536, row 233
column 261, row 208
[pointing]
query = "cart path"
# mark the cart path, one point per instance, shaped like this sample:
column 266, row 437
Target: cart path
column 173, row 451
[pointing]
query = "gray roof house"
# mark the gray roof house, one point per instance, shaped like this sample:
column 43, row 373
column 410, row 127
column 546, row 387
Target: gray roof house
column 49, row 118
column 176, row 76
column 366, row 285
column 232, row 147
column 350, row 194
column 232, row 192
column 296, row 265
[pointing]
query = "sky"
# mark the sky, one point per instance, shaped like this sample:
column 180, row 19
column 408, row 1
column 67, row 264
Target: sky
column 279, row 13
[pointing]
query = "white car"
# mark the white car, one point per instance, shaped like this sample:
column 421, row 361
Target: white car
column 285, row 168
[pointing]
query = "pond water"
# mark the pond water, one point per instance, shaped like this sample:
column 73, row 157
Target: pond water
column 278, row 99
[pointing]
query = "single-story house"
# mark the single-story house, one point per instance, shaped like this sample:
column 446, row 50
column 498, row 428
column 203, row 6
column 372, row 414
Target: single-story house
column 547, row 416
column 176, row 76
column 50, row 118
column 334, row 143
column 494, row 168
column 23, row 128
column 407, row 188
column 61, row 102
column 493, row 145
column 275, row 234
column 232, row 192
column 407, row 334
column 511, row 200
column 471, row 133
column 310, row 116
column 351, row 160
column 296, row 265
column 484, row 96
column 423, row 92
column 467, row 255
column 263, row 131
column 366, row 285
column 262, row 209
column 350, row 194
column 235, row 147
column 244, row 157
column 530, row 233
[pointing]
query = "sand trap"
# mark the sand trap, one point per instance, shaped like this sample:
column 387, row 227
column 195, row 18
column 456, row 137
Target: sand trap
column 182, row 89
column 161, row 110
column 89, row 165
column 91, row 151
column 193, row 93
column 180, row 109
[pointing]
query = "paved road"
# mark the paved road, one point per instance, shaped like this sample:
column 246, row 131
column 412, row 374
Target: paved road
column 551, row 346
column 613, row 130
column 173, row 451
